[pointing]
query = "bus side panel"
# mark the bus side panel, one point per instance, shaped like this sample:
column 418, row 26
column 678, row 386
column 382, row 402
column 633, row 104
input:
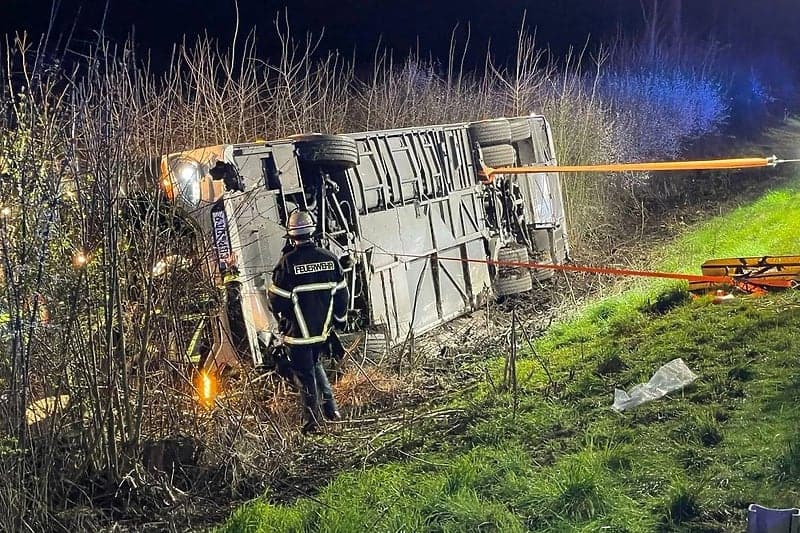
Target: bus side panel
column 432, row 209
column 559, row 235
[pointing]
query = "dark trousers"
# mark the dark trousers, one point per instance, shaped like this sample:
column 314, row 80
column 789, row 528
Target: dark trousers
column 307, row 367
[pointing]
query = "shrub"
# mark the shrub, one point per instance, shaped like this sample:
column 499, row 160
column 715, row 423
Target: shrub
column 658, row 111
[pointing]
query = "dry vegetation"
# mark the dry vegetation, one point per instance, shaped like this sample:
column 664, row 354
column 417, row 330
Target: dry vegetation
column 86, row 323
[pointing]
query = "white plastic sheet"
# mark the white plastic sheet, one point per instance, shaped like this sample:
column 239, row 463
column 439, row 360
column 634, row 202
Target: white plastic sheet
column 670, row 377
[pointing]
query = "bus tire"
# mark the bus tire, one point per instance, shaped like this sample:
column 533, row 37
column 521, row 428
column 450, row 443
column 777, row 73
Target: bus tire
column 331, row 151
column 512, row 280
column 490, row 132
column 513, row 285
column 501, row 155
column 513, row 255
column 520, row 129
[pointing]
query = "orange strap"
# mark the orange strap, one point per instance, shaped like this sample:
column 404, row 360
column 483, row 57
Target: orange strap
column 744, row 284
column 711, row 164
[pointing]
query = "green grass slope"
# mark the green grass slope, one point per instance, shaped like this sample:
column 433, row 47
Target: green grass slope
column 555, row 456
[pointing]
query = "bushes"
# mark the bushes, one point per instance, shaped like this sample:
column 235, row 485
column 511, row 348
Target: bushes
column 658, row 112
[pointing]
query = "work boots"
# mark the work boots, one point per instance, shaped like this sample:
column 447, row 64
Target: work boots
column 330, row 411
column 313, row 420
column 329, row 408
column 312, row 417
column 311, row 426
column 312, row 382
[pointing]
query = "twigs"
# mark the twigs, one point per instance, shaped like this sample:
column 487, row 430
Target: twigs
column 510, row 370
column 536, row 355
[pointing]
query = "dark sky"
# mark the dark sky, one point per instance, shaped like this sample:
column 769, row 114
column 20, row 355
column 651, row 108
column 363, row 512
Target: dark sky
column 360, row 24
column 348, row 24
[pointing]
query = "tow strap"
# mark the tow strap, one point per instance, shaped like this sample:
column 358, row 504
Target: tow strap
column 488, row 173
column 762, row 273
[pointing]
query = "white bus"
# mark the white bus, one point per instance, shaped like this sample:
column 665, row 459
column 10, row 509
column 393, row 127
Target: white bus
column 392, row 204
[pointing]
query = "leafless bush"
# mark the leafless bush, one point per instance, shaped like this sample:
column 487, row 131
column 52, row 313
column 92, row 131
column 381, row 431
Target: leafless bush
column 418, row 91
column 87, row 379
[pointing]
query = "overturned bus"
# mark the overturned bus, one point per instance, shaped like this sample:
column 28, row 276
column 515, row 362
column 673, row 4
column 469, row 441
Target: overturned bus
column 396, row 206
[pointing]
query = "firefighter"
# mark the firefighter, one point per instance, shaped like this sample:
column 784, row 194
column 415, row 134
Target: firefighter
column 309, row 296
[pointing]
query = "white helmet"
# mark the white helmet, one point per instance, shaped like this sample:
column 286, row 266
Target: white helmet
column 300, row 225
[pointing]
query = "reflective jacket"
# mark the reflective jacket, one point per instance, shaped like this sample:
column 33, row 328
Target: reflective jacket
column 309, row 292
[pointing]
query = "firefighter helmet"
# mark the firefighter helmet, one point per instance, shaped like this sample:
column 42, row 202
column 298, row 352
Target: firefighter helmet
column 301, row 225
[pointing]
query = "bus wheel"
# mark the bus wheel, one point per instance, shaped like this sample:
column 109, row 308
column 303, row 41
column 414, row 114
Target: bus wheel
column 490, row 132
column 502, row 155
column 332, row 151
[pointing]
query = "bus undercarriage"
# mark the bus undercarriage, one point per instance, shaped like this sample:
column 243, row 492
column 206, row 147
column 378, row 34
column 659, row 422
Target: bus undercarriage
column 396, row 206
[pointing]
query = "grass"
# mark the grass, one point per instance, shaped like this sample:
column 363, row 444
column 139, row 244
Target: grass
column 767, row 226
column 564, row 461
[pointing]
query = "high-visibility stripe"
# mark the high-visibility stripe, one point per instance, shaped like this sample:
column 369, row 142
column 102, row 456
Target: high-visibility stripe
column 305, row 340
column 326, row 327
column 191, row 354
column 331, row 286
column 329, row 315
column 298, row 315
column 308, row 287
column 280, row 292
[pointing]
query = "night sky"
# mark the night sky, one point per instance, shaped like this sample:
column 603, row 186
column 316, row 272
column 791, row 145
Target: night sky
column 359, row 25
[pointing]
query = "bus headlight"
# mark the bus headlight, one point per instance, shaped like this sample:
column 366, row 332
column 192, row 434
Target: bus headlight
column 185, row 176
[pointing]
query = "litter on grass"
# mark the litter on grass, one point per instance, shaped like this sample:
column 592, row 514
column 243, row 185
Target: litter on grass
column 670, row 377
